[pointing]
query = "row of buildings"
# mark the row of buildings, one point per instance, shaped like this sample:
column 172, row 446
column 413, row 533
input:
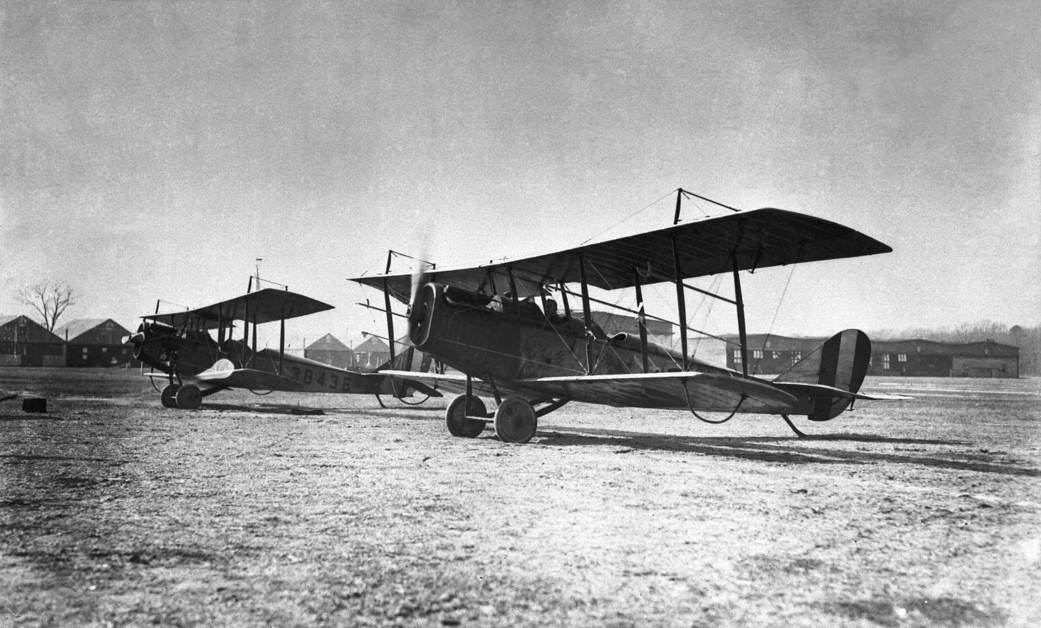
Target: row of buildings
column 99, row 342
column 770, row 354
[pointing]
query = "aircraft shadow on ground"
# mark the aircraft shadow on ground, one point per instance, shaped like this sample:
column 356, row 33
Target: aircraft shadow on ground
column 783, row 449
column 292, row 410
column 267, row 408
column 26, row 416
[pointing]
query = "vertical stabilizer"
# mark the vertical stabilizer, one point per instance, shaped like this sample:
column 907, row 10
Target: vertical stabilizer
column 841, row 362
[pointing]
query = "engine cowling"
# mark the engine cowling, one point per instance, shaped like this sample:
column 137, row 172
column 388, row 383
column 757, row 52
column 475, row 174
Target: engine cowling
column 465, row 331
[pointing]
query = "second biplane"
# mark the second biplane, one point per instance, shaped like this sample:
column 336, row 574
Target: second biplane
column 196, row 365
column 486, row 322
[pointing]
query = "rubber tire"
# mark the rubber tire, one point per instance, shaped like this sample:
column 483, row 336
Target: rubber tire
column 189, row 397
column 457, row 421
column 515, row 421
column 168, row 397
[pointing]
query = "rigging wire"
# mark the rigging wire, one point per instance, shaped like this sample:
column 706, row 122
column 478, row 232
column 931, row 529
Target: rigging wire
column 613, row 225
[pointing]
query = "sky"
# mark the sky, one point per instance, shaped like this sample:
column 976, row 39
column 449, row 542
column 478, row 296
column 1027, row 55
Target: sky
column 155, row 150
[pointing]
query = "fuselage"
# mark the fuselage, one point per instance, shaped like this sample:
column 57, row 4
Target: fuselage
column 187, row 353
column 507, row 340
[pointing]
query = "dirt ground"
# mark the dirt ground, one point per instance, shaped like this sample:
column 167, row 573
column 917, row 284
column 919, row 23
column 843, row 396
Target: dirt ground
column 117, row 511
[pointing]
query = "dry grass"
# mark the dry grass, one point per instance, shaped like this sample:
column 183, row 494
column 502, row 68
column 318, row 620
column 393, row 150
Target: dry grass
column 913, row 513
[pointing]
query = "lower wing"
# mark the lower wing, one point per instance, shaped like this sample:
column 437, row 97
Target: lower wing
column 695, row 390
column 248, row 378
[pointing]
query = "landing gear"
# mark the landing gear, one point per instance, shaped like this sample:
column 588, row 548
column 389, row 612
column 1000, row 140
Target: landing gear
column 189, row 397
column 168, row 396
column 459, row 411
column 515, row 421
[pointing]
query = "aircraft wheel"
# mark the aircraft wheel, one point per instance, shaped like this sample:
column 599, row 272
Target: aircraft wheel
column 189, row 397
column 457, row 421
column 168, row 396
column 515, row 421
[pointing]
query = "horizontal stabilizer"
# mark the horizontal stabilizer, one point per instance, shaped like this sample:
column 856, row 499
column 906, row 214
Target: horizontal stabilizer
column 820, row 390
column 829, row 376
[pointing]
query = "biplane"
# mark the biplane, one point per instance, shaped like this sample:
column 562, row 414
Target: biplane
column 499, row 326
column 195, row 364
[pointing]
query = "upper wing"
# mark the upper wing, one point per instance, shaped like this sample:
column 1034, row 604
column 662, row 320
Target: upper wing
column 262, row 306
column 755, row 239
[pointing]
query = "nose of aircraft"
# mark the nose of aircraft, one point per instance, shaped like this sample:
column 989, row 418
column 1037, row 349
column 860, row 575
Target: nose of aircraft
column 134, row 339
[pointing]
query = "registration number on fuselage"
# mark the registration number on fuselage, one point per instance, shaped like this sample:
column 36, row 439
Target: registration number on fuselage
column 320, row 379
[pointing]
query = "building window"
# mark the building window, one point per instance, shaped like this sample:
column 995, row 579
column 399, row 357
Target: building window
column 902, row 357
column 885, row 361
column 796, row 356
column 757, row 354
column 737, row 355
column 775, row 354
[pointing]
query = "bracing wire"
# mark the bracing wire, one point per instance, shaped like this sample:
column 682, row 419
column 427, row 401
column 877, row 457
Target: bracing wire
column 613, row 225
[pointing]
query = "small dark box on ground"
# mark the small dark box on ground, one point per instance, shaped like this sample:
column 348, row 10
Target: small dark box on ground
column 34, row 404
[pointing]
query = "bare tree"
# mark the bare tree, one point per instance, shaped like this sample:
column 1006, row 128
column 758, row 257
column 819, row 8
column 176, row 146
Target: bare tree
column 50, row 299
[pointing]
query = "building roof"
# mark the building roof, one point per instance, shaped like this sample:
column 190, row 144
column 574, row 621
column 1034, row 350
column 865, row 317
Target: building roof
column 984, row 348
column 27, row 330
column 96, row 331
column 372, row 344
column 327, row 342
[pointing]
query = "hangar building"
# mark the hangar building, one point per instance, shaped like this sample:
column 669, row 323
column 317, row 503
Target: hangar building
column 772, row 354
column 24, row 342
column 330, row 350
column 96, row 342
column 371, row 353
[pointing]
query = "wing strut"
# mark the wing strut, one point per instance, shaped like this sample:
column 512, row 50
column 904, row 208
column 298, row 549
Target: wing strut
column 681, row 301
column 390, row 314
column 641, row 318
column 282, row 338
column 587, row 315
column 740, row 303
column 563, row 296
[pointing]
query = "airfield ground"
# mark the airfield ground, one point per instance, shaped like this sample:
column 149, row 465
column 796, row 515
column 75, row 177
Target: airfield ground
column 116, row 511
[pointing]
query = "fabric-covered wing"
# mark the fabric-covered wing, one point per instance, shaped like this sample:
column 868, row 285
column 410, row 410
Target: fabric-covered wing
column 757, row 239
column 262, row 306
column 709, row 392
column 247, row 378
column 448, row 382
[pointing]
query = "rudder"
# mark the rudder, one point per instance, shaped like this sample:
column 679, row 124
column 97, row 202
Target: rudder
column 841, row 362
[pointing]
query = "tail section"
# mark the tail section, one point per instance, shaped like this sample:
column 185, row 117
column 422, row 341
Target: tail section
column 827, row 379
